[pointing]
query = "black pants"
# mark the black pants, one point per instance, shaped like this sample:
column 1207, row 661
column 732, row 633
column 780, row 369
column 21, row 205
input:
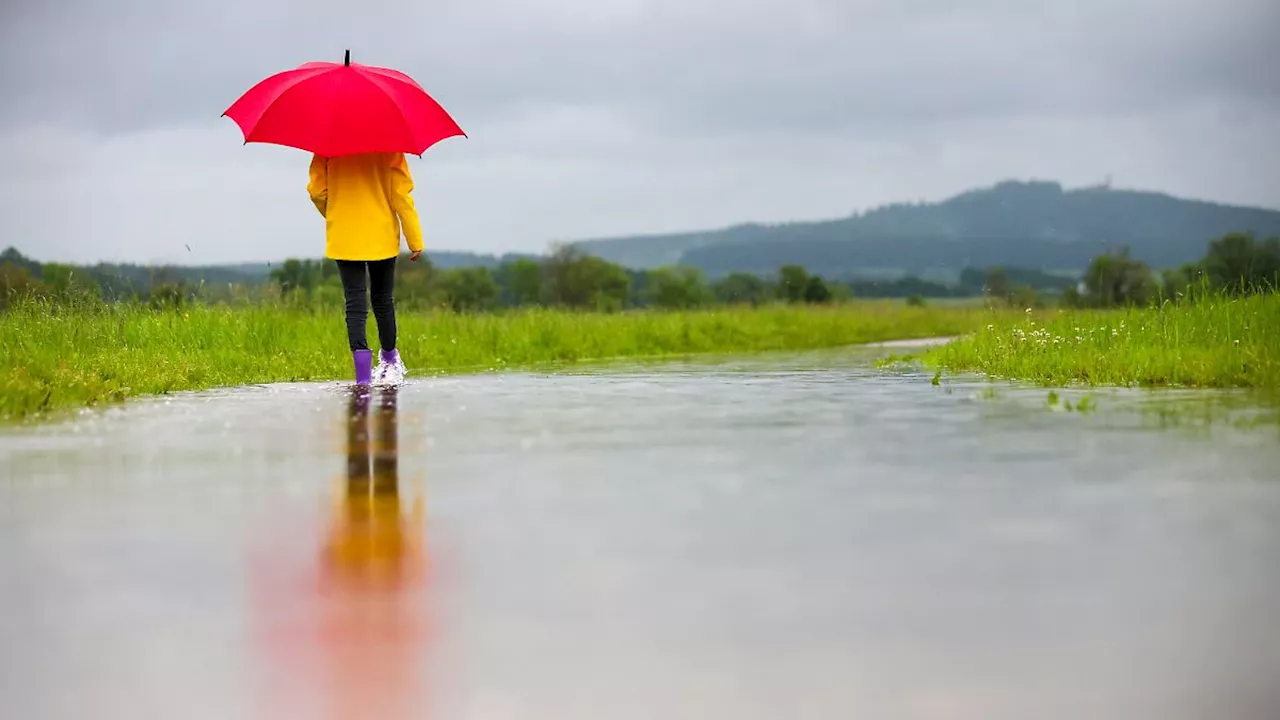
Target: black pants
column 360, row 280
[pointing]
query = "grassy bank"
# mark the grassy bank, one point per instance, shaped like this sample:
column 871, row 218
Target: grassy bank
column 57, row 358
column 1221, row 342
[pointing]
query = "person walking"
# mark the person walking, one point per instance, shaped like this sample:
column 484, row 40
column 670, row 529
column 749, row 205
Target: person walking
column 365, row 200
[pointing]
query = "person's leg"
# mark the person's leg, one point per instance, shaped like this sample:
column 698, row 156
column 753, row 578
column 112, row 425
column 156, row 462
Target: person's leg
column 382, row 280
column 354, row 286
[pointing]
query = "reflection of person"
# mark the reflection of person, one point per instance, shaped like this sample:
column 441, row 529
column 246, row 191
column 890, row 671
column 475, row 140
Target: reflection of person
column 371, row 623
column 365, row 201
column 347, row 631
column 370, row 548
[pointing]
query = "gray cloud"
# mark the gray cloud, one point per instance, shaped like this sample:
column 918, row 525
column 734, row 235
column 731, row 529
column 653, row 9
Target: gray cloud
column 801, row 64
column 618, row 116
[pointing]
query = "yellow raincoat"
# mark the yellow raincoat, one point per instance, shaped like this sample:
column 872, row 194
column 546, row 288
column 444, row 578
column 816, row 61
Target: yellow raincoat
column 366, row 204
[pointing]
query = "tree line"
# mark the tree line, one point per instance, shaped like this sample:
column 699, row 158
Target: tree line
column 1235, row 264
column 571, row 278
column 566, row 278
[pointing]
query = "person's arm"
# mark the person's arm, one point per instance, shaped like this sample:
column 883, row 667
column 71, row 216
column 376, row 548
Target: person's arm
column 401, row 187
column 318, row 186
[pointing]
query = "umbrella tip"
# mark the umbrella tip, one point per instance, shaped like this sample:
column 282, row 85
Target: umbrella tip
column 346, row 61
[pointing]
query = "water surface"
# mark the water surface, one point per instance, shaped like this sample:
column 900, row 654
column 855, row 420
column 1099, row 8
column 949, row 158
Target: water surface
column 792, row 537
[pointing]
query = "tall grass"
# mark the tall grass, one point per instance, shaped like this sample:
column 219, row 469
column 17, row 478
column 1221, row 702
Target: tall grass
column 1213, row 342
column 58, row 357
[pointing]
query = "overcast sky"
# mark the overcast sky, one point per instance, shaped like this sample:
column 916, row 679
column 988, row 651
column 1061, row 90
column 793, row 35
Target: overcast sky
column 591, row 118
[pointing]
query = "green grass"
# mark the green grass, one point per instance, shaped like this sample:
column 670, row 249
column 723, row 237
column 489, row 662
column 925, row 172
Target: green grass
column 1217, row 342
column 58, row 358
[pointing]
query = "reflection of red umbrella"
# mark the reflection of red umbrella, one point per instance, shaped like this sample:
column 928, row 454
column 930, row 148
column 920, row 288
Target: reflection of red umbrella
column 348, row 636
column 336, row 109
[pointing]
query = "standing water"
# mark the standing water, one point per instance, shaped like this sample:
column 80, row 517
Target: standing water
column 803, row 537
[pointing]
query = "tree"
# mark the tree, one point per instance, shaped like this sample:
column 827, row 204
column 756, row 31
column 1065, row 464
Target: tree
column 792, row 281
column 521, row 282
column 574, row 279
column 1025, row 296
column 997, row 286
column 68, row 283
column 419, row 284
column 1181, row 282
column 16, row 282
column 167, row 296
column 1238, row 264
column 677, row 287
column 469, row 288
column 11, row 256
column 1117, row 279
column 816, row 290
column 740, row 287
column 303, row 275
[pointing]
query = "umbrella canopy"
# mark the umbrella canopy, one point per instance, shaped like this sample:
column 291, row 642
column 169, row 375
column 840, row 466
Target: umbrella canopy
column 334, row 109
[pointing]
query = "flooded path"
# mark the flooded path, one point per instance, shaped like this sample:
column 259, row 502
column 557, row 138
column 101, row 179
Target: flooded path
column 795, row 537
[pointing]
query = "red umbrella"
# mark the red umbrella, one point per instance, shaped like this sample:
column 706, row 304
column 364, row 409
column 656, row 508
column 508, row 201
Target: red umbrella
column 336, row 109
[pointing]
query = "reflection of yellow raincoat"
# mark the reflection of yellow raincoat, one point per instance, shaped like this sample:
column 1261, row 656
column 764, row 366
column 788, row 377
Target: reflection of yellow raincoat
column 365, row 203
column 374, row 546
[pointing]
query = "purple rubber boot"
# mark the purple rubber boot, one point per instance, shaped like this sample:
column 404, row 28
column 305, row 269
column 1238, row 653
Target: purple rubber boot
column 364, row 366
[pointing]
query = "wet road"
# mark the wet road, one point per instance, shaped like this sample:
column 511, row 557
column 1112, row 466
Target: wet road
column 801, row 537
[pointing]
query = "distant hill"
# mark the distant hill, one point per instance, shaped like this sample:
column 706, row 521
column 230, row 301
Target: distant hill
column 1025, row 224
